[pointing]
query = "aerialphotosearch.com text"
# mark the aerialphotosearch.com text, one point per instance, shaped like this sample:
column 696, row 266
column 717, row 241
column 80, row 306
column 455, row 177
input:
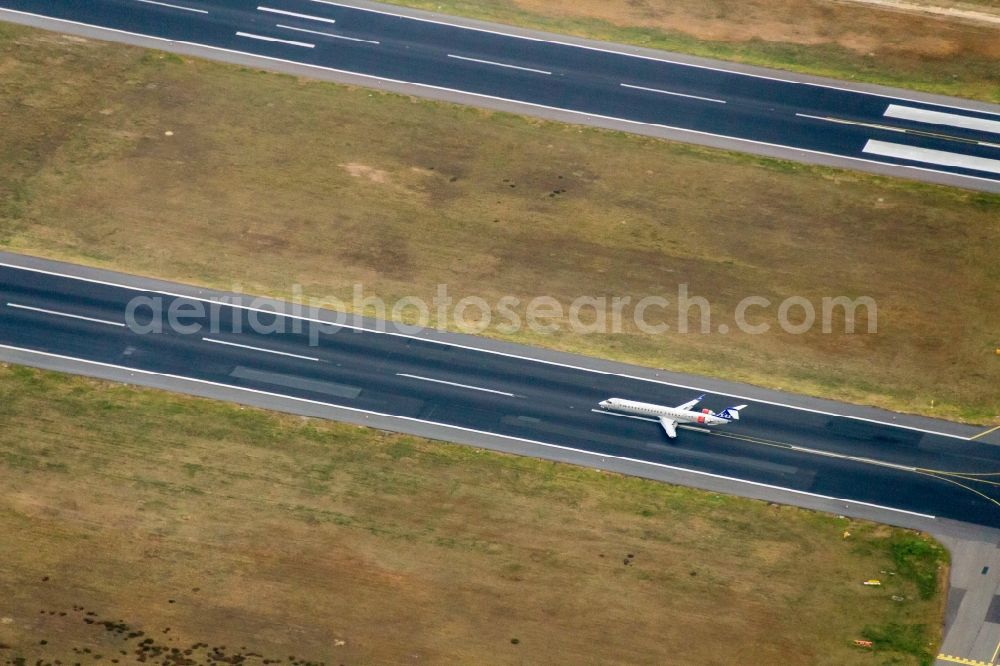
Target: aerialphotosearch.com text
column 679, row 313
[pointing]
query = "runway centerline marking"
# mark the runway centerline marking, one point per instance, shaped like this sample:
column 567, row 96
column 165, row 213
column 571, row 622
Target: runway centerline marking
column 935, row 474
column 327, row 34
column 685, row 130
column 482, row 350
column 671, row 92
column 466, row 386
column 260, row 349
column 842, row 121
column 900, row 130
column 775, row 444
column 263, row 38
column 500, row 64
column 308, row 17
column 427, row 20
column 818, row 452
column 628, row 54
column 595, row 454
column 626, row 416
column 167, row 4
column 575, row 112
column 66, row 314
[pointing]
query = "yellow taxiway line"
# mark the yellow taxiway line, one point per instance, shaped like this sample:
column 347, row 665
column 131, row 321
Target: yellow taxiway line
column 970, row 662
column 962, row 660
column 984, row 433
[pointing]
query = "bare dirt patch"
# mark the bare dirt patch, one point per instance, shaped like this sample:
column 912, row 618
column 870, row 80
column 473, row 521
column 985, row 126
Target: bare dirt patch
column 981, row 12
column 364, row 171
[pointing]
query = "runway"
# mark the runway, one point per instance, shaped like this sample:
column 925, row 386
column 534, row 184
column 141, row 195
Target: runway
column 762, row 111
column 409, row 380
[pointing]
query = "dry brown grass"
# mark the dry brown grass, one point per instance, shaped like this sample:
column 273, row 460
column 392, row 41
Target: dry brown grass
column 842, row 39
column 269, row 181
column 198, row 522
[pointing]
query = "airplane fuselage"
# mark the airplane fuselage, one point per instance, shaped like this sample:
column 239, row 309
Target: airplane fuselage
column 704, row 417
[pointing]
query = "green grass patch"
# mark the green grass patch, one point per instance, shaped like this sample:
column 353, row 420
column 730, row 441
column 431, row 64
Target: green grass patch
column 907, row 639
column 919, row 560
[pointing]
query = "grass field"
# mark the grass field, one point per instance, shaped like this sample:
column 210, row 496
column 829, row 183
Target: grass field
column 845, row 40
column 266, row 181
column 137, row 522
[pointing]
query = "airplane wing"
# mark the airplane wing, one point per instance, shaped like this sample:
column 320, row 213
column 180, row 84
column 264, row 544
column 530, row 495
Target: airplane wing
column 688, row 405
column 670, row 426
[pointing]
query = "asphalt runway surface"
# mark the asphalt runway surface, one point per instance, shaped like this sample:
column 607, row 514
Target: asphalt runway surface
column 935, row 474
column 703, row 102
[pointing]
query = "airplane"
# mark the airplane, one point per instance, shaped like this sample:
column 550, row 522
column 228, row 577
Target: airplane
column 670, row 417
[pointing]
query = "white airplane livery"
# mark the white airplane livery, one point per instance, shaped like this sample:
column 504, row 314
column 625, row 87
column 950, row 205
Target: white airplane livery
column 670, row 417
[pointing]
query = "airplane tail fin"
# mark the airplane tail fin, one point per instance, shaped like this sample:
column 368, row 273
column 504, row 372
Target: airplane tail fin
column 731, row 413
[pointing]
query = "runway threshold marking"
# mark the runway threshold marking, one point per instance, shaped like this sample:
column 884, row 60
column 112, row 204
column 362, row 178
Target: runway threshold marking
column 327, row 34
column 167, row 4
column 931, row 156
column 575, row 112
column 260, row 349
column 466, row 386
column 671, row 92
column 983, row 434
column 285, row 12
column 940, row 118
column 264, row 38
column 500, row 64
column 65, row 314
